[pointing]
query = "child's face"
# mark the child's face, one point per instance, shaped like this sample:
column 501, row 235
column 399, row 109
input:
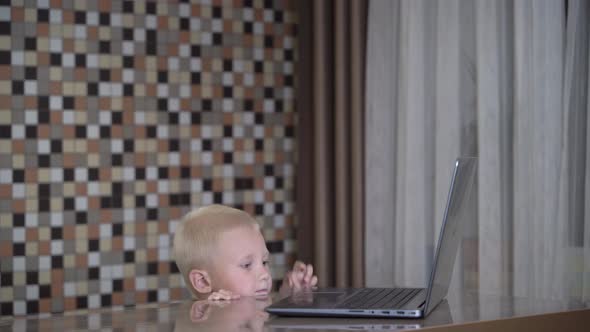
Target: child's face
column 241, row 265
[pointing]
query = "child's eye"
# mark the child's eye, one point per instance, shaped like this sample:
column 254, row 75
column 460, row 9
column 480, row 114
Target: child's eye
column 246, row 265
column 265, row 262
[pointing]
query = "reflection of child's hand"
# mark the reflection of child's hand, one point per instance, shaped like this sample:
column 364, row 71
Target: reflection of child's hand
column 300, row 278
column 223, row 295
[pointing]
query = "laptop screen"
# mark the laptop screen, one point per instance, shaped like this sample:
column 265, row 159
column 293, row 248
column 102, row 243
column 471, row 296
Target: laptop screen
column 459, row 211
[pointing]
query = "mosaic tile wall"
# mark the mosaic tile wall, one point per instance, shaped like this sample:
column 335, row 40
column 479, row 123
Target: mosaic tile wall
column 117, row 117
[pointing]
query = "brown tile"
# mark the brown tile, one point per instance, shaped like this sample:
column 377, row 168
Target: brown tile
column 43, row 131
column 70, row 303
column 32, row 234
column 18, row 146
column 259, row 157
column 163, row 268
column 140, row 159
column 162, row 145
column 152, row 254
column 80, row 75
column 151, row 90
column 195, row 10
column 218, row 158
column 184, row 37
column 44, row 247
column 195, row 171
column 5, row 191
column 105, row 6
column 151, row 186
column 5, row 249
column 55, row 88
column 92, row 146
column 17, row 14
column 176, row 294
column 248, row 41
column 18, row 206
column 68, row 45
column 106, row 214
column 69, row 160
column 163, row 200
column 116, row 75
column 140, row 228
column 44, row 305
column 185, row 159
column 196, row 91
column 5, row 75
column 117, row 131
column 141, row 296
column 163, row 227
column 57, row 282
column 117, row 243
column 31, row 175
column 92, row 31
column 81, row 189
column 117, row 300
column 56, row 3
column 93, row 231
column 185, row 104
column 195, row 131
column 249, row 170
column 259, row 14
column 162, row 22
column 69, row 131
column 162, row 63
column 228, row 26
column 81, row 260
column 80, row 102
column 30, row 102
column 104, row 103
column 258, row 183
column 249, row 93
column 139, row 62
column 68, row 17
column 129, row 284
column 93, row 203
column 217, row 184
column 69, row 232
column 173, row 50
column 104, row 174
column 42, row 29
column 175, row 213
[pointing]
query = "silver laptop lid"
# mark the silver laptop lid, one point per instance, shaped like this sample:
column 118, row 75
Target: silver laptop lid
column 459, row 211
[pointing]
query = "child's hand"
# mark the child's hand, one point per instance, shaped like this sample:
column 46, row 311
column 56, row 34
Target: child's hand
column 223, row 295
column 300, row 278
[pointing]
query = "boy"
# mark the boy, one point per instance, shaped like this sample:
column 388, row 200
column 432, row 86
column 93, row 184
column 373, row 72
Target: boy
column 222, row 255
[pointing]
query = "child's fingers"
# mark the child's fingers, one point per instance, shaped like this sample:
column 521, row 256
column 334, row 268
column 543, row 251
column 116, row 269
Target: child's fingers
column 308, row 274
column 314, row 281
column 299, row 267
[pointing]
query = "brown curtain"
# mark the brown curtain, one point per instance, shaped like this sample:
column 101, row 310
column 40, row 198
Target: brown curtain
column 330, row 106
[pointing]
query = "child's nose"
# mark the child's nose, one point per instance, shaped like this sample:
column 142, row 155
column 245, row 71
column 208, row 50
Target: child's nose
column 265, row 273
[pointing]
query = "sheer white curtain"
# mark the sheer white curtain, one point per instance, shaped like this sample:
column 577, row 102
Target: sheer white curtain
column 506, row 81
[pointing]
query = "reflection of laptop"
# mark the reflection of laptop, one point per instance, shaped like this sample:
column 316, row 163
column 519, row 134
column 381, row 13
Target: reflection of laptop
column 399, row 302
column 441, row 316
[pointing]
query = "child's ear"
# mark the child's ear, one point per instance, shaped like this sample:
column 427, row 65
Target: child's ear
column 200, row 281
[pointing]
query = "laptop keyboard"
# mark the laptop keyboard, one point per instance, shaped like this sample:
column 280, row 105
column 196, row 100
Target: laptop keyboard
column 379, row 298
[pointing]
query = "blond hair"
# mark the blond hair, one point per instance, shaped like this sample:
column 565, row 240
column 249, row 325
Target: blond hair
column 196, row 236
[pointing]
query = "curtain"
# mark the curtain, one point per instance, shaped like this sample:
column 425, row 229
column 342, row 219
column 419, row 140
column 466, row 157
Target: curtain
column 506, row 81
column 330, row 104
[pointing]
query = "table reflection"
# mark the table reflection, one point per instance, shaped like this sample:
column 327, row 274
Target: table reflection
column 247, row 314
column 244, row 314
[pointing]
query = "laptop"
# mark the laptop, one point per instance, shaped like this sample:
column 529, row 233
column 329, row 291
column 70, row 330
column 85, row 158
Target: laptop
column 399, row 302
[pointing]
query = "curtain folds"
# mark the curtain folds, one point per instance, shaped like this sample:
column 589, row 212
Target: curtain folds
column 506, row 81
column 330, row 105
